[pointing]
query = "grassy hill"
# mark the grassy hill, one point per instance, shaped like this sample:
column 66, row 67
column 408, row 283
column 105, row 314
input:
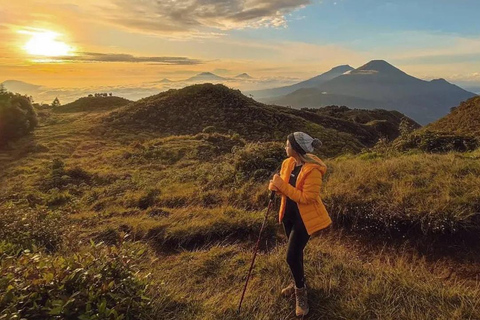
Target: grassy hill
column 173, row 220
column 462, row 120
column 219, row 109
column 457, row 131
column 93, row 104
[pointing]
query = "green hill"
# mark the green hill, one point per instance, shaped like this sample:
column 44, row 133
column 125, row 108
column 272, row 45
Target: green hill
column 457, row 131
column 367, row 125
column 196, row 108
column 179, row 216
column 93, row 104
column 462, row 120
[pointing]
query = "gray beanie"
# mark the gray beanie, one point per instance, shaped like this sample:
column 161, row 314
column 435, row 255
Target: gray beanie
column 306, row 142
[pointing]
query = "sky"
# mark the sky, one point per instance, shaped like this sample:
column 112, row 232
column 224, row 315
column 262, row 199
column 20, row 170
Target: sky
column 128, row 44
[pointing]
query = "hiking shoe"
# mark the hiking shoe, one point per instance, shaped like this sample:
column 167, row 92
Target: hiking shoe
column 301, row 308
column 288, row 291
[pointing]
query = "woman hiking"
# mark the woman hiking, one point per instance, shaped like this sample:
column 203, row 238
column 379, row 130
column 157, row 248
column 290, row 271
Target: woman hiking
column 301, row 210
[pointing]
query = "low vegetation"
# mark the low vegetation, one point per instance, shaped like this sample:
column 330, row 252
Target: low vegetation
column 106, row 224
column 17, row 116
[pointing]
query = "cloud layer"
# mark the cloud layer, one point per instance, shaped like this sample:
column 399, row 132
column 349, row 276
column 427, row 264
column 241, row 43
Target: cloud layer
column 119, row 57
column 194, row 15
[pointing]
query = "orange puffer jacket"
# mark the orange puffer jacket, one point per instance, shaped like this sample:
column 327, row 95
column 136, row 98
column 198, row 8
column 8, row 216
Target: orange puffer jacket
column 306, row 193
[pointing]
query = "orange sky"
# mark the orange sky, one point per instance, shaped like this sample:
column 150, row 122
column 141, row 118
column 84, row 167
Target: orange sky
column 270, row 40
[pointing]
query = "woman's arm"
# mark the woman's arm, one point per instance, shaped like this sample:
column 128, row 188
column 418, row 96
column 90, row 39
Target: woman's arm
column 311, row 188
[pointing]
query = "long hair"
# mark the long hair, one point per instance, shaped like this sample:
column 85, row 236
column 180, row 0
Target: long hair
column 307, row 159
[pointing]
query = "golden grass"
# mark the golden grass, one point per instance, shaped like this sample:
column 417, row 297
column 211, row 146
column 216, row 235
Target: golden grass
column 200, row 228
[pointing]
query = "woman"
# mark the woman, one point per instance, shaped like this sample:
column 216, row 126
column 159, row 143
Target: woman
column 301, row 211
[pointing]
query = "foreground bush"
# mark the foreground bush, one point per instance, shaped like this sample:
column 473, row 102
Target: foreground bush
column 97, row 284
column 30, row 229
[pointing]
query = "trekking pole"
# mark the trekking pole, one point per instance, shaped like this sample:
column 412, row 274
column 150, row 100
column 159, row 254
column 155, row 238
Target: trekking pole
column 270, row 205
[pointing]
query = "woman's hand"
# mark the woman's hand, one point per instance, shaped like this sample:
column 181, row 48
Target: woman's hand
column 275, row 183
column 272, row 187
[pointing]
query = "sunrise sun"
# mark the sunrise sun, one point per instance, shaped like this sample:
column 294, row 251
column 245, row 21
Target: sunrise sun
column 45, row 43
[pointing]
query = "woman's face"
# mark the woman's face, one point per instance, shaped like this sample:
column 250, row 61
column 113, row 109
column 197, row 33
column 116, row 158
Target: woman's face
column 288, row 149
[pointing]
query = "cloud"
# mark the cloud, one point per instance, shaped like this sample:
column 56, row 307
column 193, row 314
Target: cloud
column 186, row 16
column 120, row 57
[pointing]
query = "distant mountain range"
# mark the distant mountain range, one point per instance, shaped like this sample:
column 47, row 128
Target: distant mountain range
column 375, row 85
column 310, row 83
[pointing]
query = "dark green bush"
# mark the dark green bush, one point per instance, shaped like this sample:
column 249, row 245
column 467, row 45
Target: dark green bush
column 429, row 141
column 259, row 160
column 97, row 284
column 29, row 229
column 17, row 116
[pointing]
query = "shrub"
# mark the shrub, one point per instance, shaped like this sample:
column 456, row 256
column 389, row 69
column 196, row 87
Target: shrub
column 258, row 160
column 429, row 141
column 97, row 284
column 30, row 229
column 17, row 116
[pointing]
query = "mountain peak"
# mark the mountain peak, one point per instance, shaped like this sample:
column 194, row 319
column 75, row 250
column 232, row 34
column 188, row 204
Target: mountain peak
column 206, row 76
column 244, row 76
column 378, row 66
column 439, row 80
column 342, row 68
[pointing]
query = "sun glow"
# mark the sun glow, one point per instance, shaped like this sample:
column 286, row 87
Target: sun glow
column 44, row 43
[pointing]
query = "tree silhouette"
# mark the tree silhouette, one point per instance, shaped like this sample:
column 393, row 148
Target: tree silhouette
column 56, row 103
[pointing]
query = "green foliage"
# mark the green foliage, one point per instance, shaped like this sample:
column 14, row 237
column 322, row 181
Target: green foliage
column 60, row 177
column 97, row 284
column 258, row 160
column 429, row 141
column 29, row 229
column 17, row 116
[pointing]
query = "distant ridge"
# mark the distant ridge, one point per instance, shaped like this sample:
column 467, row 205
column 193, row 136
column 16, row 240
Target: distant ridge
column 378, row 84
column 86, row 104
column 205, row 76
column 22, row 87
column 243, row 76
column 310, row 83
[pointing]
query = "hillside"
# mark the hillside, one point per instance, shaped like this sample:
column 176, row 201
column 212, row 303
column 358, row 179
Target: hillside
column 380, row 123
column 378, row 84
column 462, row 120
column 217, row 108
column 164, row 228
column 457, row 131
column 93, row 104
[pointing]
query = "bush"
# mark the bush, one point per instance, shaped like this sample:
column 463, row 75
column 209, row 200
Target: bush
column 30, row 229
column 17, row 116
column 97, row 284
column 258, row 160
column 429, row 141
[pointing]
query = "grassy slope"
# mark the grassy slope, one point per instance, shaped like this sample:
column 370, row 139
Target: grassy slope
column 463, row 120
column 189, row 231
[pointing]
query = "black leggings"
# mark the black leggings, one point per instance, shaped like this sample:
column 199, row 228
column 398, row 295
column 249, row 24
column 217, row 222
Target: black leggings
column 297, row 240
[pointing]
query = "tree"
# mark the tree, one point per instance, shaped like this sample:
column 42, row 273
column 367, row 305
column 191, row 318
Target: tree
column 56, row 103
column 17, row 116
